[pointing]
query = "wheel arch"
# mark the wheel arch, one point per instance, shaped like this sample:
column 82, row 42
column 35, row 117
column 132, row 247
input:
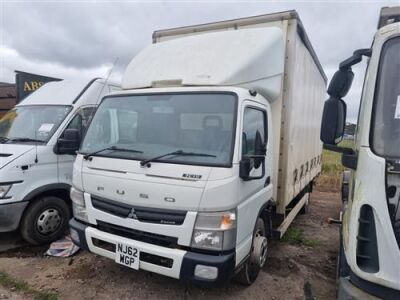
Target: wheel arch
column 266, row 213
column 60, row 190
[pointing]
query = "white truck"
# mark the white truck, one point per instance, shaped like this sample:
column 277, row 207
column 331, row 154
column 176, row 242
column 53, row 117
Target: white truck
column 369, row 256
column 36, row 159
column 209, row 150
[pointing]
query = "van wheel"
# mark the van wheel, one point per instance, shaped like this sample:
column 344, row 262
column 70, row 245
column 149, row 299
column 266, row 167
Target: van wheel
column 45, row 220
column 249, row 272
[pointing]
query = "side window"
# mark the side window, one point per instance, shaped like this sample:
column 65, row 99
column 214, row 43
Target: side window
column 81, row 120
column 253, row 120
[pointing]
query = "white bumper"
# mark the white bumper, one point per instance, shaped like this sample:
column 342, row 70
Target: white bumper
column 175, row 254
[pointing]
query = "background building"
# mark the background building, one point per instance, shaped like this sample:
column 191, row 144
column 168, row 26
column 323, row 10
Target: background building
column 8, row 97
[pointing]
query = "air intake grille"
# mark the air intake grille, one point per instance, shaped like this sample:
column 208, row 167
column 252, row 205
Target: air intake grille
column 143, row 214
column 146, row 237
column 367, row 248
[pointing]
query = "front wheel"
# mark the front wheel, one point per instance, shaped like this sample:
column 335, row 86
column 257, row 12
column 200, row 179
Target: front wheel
column 45, row 220
column 249, row 272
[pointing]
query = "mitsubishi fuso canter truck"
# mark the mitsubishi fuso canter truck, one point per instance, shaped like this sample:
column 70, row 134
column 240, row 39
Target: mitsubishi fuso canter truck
column 369, row 256
column 36, row 159
column 209, row 150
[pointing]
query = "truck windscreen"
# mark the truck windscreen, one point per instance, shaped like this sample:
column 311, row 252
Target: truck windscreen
column 385, row 126
column 156, row 124
column 31, row 124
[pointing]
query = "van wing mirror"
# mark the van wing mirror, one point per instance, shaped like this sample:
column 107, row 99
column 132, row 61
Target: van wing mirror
column 333, row 121
column 69, row 143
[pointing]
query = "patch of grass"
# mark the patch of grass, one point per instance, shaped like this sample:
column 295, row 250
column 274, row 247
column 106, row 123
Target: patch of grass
column 22, row 286
column 296, row 236
column 332, row 169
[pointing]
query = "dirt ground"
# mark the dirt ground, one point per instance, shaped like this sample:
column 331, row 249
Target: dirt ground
column 302, row 266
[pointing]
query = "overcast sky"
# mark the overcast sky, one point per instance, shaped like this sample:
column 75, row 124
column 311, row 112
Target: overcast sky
column 82, row 39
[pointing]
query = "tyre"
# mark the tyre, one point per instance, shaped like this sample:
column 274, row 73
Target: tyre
column 259, row 251
column 45, row 220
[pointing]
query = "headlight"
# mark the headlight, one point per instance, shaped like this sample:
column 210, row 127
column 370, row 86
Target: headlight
column 215, row 231
column 78, row 204
column 4, row 190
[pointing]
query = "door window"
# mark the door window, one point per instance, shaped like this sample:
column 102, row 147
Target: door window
column 81, row 120
column 253, row 120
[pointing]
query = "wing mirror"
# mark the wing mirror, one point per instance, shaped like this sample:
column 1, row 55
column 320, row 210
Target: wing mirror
column 69, row 142
column 333, row 121
column 249, row 162
column 334, row 115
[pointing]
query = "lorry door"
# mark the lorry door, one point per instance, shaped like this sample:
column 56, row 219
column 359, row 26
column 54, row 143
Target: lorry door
column 80, row 121
column 253, row 193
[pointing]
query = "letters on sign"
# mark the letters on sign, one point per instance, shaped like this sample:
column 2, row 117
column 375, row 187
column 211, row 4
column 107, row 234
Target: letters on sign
column 30, row 86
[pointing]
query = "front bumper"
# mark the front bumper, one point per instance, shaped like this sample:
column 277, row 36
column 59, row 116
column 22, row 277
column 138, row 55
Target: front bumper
column 10, row 215
column 355, row 288
column 348, row 291
column 181, row 264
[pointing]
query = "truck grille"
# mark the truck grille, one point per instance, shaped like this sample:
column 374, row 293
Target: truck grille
column 142, row 236
column 149, row 215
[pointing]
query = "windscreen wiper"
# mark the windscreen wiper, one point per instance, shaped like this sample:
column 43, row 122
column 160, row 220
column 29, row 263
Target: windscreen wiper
column 4, row 139
column 112, row 148
column 25, row 139
column 147, row 162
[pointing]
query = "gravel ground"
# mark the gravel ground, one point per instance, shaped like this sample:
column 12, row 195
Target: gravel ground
column 302, row 266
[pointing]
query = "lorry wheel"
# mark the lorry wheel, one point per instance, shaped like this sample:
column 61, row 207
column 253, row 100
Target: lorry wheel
column 258, row 256
column 45, row 220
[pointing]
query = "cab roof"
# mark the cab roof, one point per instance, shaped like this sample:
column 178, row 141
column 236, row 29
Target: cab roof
column 68, row 92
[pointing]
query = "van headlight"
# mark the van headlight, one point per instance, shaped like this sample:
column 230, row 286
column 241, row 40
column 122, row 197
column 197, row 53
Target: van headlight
column 4, row 190
column 215, row 231
column 78, row 204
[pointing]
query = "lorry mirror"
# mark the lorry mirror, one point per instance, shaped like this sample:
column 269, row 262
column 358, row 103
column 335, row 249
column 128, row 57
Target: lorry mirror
column 69, row 143
column 333, row 121
column 341, row 83
column 245, row 168
column 260, row 150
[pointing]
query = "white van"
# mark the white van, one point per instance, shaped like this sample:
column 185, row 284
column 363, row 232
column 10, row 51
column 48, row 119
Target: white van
column 208, row 151
column 35, row 158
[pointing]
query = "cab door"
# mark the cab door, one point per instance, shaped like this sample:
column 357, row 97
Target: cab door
column 255, row 191
column 80, row 121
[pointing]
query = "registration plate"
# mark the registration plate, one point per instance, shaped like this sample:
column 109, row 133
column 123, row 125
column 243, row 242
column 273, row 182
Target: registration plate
column 127, row 255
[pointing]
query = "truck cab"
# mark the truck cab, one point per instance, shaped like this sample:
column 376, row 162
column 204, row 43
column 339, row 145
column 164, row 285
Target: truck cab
column 370, row 233
column 195, row 164
column 36, row 158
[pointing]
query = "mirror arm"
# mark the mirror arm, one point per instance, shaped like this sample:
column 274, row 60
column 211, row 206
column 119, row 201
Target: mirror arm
column 338, row 149
column 349, row 157
column 355, row 58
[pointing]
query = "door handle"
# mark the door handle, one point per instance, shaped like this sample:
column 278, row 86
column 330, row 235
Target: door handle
column 267, row 181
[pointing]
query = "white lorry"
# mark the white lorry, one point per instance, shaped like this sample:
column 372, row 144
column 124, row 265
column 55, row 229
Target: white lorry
column 209, row 150
column 369, row 256
column 36, row 159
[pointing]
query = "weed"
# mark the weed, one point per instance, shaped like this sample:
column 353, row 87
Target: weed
column 296, row 236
